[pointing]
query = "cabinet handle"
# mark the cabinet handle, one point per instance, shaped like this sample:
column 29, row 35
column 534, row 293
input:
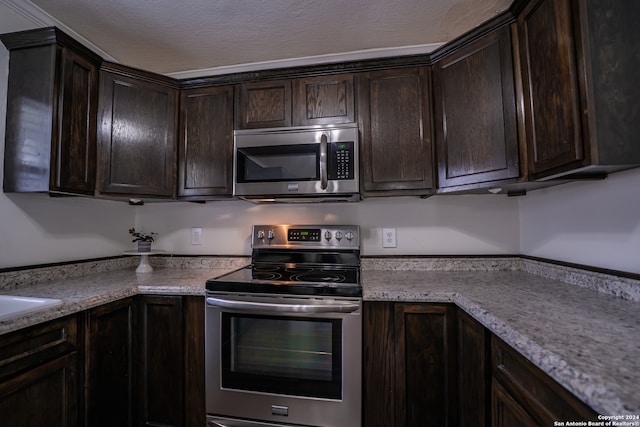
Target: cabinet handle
column 323, row 162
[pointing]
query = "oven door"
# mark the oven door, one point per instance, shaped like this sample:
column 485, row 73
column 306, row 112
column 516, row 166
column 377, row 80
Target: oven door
column 280, row 359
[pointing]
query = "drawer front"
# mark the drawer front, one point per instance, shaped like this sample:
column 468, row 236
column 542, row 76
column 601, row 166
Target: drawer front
column 23, row 349
column 541, row 396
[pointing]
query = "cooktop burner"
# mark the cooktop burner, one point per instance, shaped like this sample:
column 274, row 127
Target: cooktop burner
column 298, row 260
column 290, row 280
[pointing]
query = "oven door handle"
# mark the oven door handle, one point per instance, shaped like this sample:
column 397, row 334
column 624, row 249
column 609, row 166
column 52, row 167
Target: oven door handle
column 252, row 306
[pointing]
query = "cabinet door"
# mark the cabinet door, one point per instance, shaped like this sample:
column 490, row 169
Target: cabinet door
column 379, row 366
column 194, row 376
column 46, row 395
column 264, row 105
column 206, row 142
column 137, row 138
column 74, row 149
column 110, row 365
column 425, row 364
column 161, row 390
column 323, row 100
column 551, row 86
column 506, row 412
column 475, row 113
column 396, row 132
column 473, row 366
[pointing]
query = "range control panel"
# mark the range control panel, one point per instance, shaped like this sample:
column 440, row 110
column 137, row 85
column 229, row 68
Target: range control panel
column 306, row 236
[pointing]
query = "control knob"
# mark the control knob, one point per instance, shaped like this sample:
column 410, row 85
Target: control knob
column 349, row 235
column 260, row 234
column 270, row 235
column 339, row 235
column 327, row 235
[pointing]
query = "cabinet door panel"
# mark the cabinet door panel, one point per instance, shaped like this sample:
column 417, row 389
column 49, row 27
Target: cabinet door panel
column 74, row 151
column 264, row 104
column 552, row 98
column 110, row 365
column 473, row 365
column 475, row 113
column 323, row 100
column 506, row 412
column 206, row 145
column 161, row 363
column 137, row 137
column 424, row 362
column 396, row 131
column 194, row 403
column 379, row 365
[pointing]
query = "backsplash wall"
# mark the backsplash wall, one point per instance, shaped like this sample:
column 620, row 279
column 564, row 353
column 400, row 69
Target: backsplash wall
column 449, row 225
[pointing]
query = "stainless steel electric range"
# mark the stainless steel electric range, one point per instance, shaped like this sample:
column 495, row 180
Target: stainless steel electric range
column 284, row 334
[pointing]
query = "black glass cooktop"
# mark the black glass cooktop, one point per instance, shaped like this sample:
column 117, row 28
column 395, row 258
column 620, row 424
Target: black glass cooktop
column 290, row 279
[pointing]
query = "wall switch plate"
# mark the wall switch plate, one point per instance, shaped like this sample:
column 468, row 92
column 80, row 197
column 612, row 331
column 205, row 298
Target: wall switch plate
column 389, row 238
column 196, row 236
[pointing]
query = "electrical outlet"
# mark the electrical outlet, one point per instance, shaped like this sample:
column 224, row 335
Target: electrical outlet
column 196, row 236
column 389, row 238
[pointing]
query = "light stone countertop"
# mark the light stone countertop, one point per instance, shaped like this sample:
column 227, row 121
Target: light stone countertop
column 588, row 341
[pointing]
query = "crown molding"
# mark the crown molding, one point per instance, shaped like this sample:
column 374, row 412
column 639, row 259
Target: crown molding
column 39, row 18
column 308, row 60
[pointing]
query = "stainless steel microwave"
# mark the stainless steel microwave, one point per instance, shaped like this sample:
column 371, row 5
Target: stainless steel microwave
column 318, row 163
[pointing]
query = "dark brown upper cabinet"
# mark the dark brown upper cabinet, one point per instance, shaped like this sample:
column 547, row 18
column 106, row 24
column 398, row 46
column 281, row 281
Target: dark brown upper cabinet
column 205, row 153
column 395, row 119
column 138, row 115
column 579, row 86
column 323, row 100
column 476, row 128
column 264, row 104
column 52, row 99
column 304, row 101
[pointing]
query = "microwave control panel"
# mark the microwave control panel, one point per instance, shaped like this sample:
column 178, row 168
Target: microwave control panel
column 341, row 155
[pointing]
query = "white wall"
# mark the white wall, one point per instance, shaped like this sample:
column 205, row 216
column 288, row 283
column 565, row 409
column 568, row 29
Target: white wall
column 440, row 225
column 594, row 223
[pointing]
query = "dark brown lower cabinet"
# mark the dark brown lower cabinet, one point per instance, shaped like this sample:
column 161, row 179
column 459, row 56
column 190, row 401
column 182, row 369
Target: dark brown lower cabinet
column 171, row 361
column 110, row 370
column 506, row 411
column 39, row 375
column 408, row 364
column 160, row 360
column 473, row 372
column 522, row 392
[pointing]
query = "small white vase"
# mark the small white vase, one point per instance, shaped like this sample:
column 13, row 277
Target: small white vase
column 144, row 246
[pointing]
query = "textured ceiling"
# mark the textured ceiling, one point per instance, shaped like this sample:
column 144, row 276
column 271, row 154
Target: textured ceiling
column 169, row 36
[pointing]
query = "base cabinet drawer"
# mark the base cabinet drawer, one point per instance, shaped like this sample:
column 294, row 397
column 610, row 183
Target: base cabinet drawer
column 39, row 379
column 542, row 399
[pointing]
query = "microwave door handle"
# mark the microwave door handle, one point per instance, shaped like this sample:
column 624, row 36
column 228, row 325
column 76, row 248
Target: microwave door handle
column 329, row 307
column 323, row 162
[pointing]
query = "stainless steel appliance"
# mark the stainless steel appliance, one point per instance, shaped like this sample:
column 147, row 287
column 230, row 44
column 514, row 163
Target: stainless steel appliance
column 289, row 164
column 284, row 334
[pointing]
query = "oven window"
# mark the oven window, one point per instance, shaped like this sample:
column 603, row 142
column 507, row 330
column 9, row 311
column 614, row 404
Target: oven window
column 282, row 355
column 278, row 163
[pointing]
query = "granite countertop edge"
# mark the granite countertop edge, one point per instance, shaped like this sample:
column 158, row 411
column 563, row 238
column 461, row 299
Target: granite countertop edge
column 603, row 394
